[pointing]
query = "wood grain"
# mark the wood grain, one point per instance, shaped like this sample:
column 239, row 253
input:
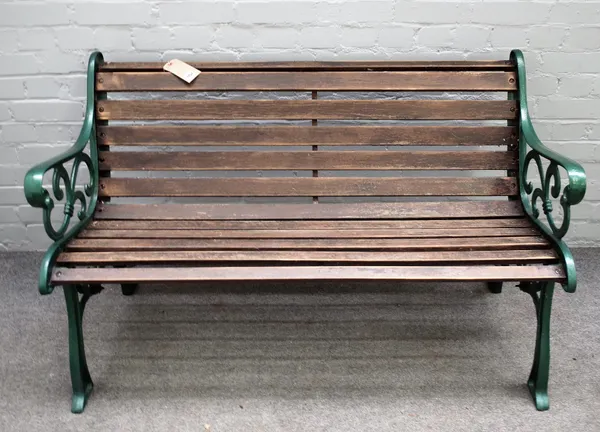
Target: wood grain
column 306, row 109
column 149, row 135
column 411, row 210
column 313, row 81
column 321, row 186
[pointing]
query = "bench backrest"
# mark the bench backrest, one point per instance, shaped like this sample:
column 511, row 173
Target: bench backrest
column 308, row 131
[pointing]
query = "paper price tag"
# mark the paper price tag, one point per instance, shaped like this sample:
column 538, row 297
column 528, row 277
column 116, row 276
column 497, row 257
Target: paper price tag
column 182, row 70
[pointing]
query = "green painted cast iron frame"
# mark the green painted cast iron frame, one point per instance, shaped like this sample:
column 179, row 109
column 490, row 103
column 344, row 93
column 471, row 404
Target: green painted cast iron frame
column 38, row 196
column 531, row 150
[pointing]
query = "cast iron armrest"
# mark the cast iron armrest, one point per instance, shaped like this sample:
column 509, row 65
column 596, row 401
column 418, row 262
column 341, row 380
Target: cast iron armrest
column 531, row 150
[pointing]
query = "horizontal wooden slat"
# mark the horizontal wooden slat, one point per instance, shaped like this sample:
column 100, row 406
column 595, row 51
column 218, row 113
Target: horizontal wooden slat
column 321, row 65
column 409, row 210
column 307, row 224
column 313, row 81
column 505, row 257
column 479, row 243
column 322, row 186
column 333, row 233
column 406, row 273
column 307, row 160
column 305, row 109
column 298, row 135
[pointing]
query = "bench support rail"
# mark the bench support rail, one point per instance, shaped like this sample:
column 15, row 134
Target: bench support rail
column 541, row 293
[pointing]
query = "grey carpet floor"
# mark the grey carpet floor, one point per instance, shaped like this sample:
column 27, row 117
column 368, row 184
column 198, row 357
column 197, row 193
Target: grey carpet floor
column 301, row 357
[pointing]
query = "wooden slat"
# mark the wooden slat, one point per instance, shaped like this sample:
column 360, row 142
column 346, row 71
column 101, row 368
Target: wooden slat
column 479, row 243
column 406, row 273
column 305, row 109
column 409, row 210
column 321, row 186
column 307, row 160
column 307, row 234
column 505, row 257
column 307, row 224
column 306, row 135
column 313, row 81
column 320, row 65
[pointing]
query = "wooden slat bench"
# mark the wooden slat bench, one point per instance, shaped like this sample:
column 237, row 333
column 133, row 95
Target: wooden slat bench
column 408, row 171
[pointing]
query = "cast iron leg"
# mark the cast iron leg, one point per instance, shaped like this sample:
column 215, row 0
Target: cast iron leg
column 80, row 375
column 128, row 289
column 538, row 378
column 495, row 287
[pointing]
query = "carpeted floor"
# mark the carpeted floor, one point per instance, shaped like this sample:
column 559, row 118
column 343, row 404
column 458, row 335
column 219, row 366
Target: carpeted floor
column 302, row 357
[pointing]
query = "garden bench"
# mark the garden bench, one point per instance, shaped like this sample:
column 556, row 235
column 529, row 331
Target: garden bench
column 404, row 171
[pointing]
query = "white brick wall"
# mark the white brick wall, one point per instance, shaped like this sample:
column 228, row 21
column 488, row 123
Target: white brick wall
column 44, row 47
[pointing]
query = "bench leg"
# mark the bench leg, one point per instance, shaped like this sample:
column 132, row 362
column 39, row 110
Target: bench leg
column 80, row 375
column 538, row 378
column 128, row 289
column 495, row 287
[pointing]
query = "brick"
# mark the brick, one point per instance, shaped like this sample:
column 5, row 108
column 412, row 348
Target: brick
column 359, row 37
column 152, row 39
column 36, row 14
column 563, row 62
column 510, row 13
column 53, row 133
column 36, row 234
column 4, row 112
column 12, row 175
column 365, row 12
column 277, row 37
column 397, row 37
column 19, row 64
column 13, row 234
column 9, row 41
column 423, row 12
column 471, row 38
column 11, row 88
column 59, row 62
column 36, row 39
column 42, row 87
column 575, row 13
column 320, row 37
column 583, row 39
column 14, row 133
column 129, row 14
column 508, row 37
column 234, row 37
column 9, row 155
column 542, row 85
column 8, row 215
column 30, row 215
column 33, row 154
column 436, row 37
column 47, row 111
column 75, row 38
column 75, row 86
column 565, row 131
column 567, row 109
column 11, row 195
column 276, row 12
column 192, row 37
column 174, row 13
column 112, row 39
column 542, row 37
column 576, row 86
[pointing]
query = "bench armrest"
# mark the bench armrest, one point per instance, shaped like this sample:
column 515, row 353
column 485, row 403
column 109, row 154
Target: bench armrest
column 532, row 152
column 64, row 183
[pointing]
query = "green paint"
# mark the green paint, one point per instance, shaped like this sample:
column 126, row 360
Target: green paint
column 38, row 196
column 531, row 150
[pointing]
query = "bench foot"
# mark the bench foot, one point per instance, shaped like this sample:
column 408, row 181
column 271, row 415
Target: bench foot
column 538, row 378
column 129, row 289
column 80, row 375
column 495, row 287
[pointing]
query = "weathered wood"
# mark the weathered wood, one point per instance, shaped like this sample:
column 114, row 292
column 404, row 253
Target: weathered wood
column 504, row 257
column 149, row 135
column 308, row 160
column 469, row 243
column 321, row 186
column 410, row 210
column 407, row 273
column 314, row 81
column 306, row 224
column 298, row 233
column 320, row 65
column 306, row 109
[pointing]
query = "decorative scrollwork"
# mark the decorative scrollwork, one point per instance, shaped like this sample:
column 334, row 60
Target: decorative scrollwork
column 550, row 188
column 64, row 187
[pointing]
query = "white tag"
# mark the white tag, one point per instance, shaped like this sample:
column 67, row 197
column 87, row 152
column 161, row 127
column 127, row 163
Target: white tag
column 182, row 70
